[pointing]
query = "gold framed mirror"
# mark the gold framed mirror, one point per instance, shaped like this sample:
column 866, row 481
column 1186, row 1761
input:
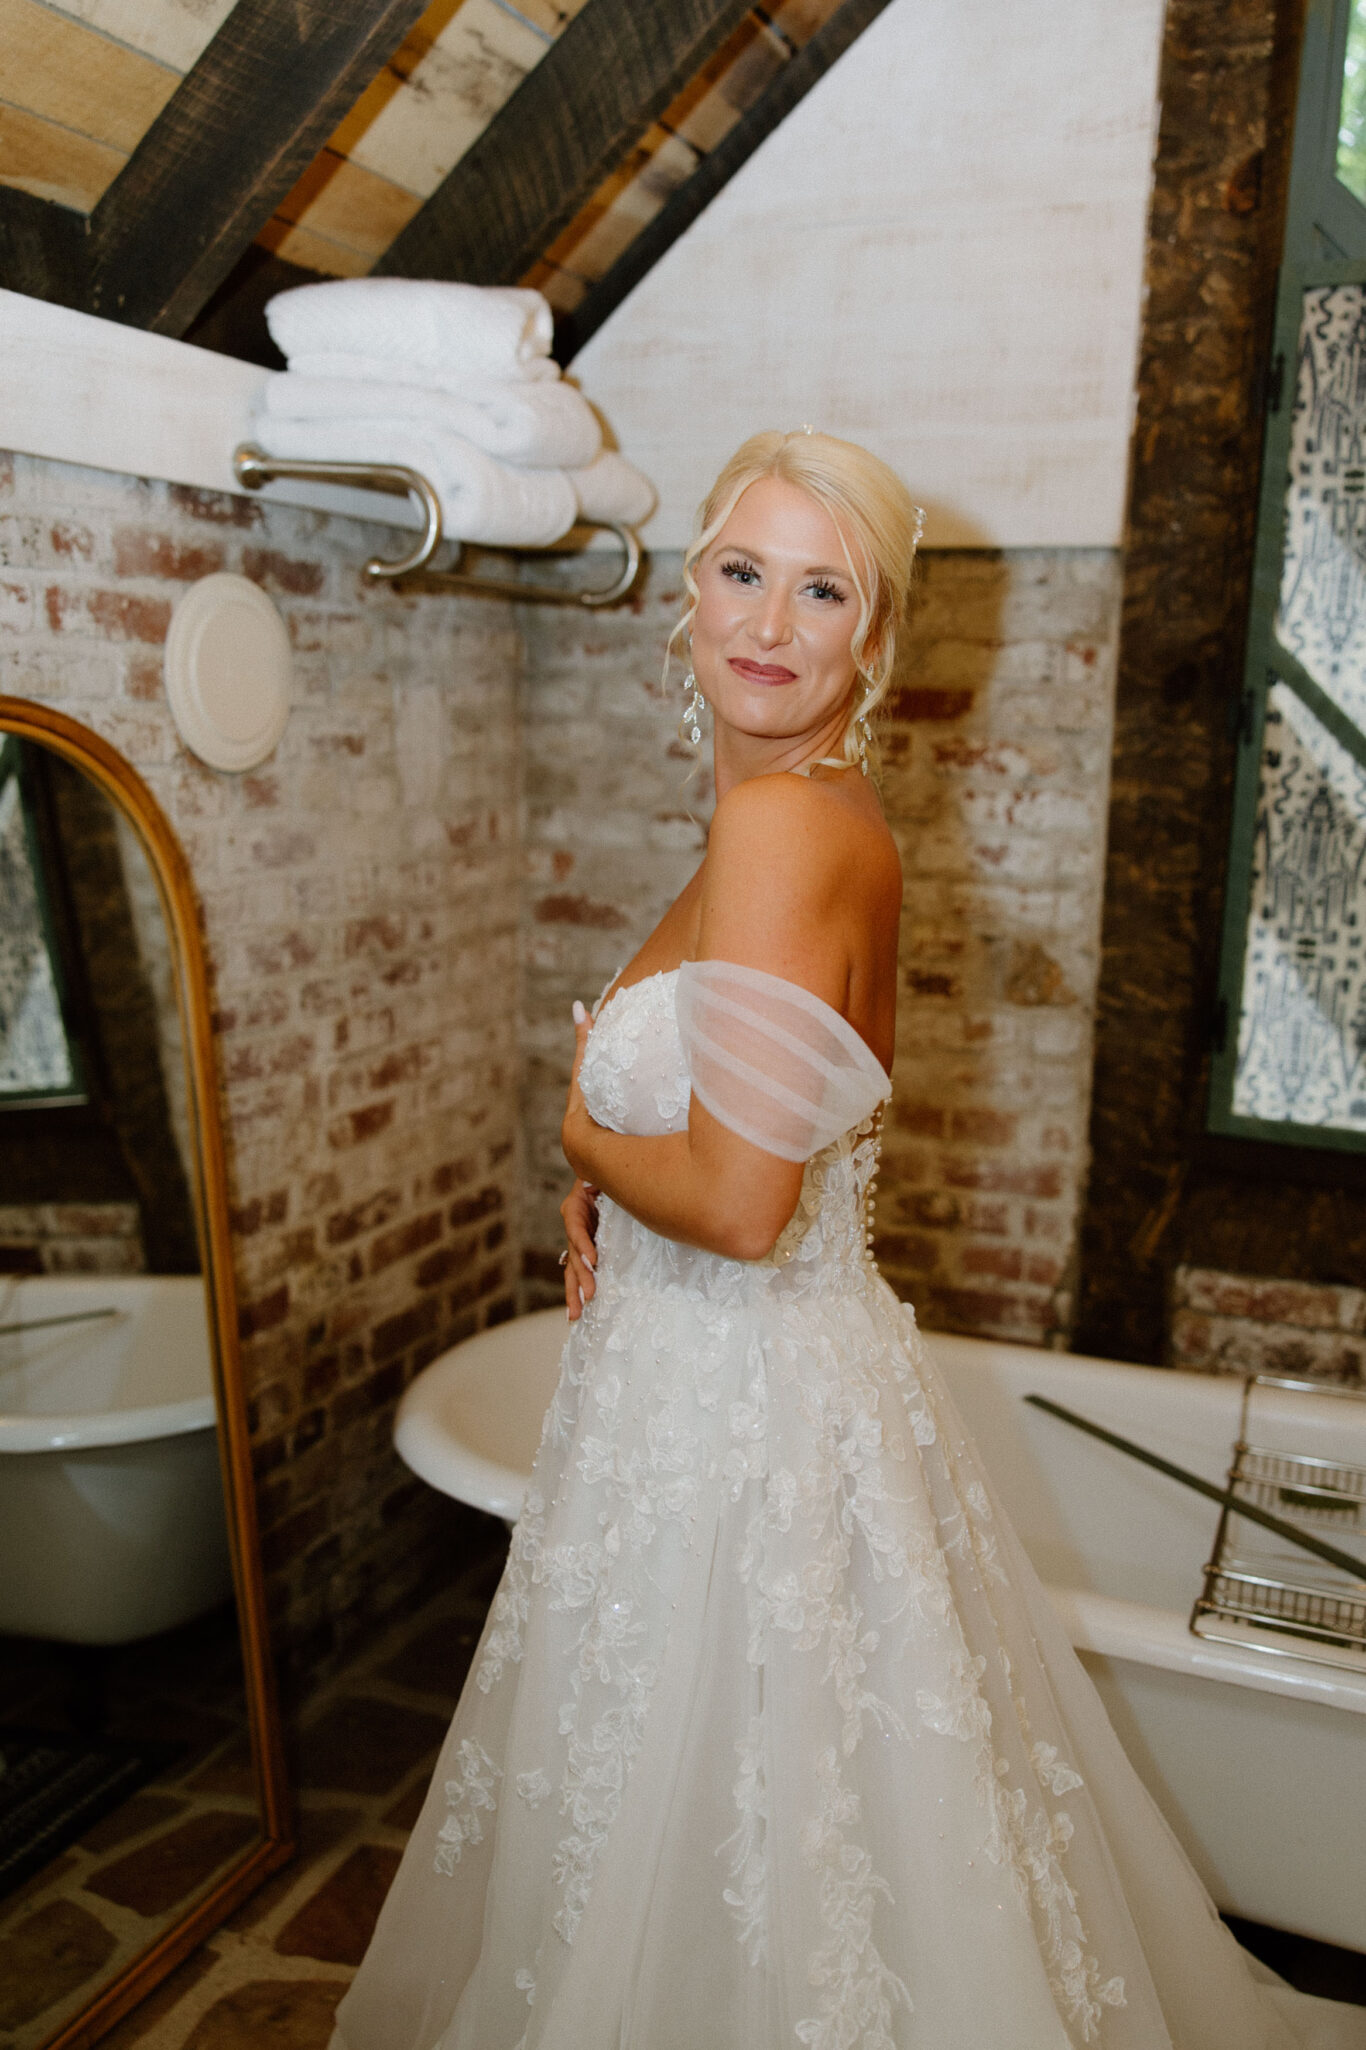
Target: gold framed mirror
column 143, row 1791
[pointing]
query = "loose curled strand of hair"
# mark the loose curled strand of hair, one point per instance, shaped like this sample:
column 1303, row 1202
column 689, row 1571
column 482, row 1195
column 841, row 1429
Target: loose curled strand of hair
column 878, row 523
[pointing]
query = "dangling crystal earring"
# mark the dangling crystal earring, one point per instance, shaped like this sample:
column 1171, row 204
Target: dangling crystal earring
column 863, row 737
column 690, row 727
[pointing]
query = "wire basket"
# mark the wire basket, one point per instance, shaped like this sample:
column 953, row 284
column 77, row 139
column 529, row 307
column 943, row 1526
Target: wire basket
column 1263, row 1590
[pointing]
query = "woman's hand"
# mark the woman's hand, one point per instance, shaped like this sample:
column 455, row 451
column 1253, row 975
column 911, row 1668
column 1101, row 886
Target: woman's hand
column 580, row 1213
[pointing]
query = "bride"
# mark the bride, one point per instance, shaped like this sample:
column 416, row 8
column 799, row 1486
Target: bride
column 772, row 1737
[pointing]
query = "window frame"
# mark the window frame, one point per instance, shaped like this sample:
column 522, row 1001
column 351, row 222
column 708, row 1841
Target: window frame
column 1325, row 244
column 48, row 882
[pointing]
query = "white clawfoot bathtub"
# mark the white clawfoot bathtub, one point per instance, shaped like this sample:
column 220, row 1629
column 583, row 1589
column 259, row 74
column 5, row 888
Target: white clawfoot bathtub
column 111, row 1505
column 1256, row 1760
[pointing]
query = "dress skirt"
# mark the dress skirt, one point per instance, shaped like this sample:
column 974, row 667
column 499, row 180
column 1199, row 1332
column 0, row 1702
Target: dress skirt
column 772, row 1737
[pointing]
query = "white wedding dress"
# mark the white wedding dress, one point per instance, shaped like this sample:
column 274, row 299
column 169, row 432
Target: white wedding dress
column 772, row 1737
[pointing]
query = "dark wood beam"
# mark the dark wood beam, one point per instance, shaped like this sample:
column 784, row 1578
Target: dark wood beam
column 43, row 248
column 233, row 323
column 243, row 125
column 716, row 169
column 569, row 123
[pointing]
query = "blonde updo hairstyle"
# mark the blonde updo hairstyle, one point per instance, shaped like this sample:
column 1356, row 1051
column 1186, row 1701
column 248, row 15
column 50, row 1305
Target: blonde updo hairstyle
column 879, row 527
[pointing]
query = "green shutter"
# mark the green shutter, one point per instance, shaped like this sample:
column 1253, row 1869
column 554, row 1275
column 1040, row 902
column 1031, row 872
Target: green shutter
column 1290, row 1045
column 40, row 1059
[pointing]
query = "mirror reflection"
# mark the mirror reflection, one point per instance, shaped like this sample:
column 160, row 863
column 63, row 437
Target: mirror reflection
column 126, row 1787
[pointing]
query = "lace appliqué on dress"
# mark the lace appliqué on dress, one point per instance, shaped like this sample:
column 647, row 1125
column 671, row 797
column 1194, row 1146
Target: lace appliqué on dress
column 775, row 1388
column 631, row 1063
column 469, row 1797
column 860, row 1990
column 747, row 1899
column 1031, row 1843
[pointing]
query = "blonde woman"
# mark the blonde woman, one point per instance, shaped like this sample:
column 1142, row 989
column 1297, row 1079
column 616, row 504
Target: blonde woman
column 772, row 1738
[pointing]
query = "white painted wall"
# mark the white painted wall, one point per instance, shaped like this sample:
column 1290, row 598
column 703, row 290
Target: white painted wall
column 940, row 254
column 89, row 391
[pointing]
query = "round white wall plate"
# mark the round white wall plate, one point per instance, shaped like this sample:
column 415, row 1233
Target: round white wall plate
column 227, row 671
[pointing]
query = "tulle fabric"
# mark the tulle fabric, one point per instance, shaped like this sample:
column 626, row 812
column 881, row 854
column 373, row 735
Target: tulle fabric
column 771, row 1061
column 772, row 1738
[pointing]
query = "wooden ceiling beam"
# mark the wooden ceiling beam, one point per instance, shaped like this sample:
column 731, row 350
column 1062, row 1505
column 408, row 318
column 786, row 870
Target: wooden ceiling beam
column 608, row 75
column 233, row 322
column 43, row 248
column 239, row 131
column 716, row 169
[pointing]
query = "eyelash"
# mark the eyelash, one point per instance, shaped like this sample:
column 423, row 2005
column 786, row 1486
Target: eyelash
column 740, row 571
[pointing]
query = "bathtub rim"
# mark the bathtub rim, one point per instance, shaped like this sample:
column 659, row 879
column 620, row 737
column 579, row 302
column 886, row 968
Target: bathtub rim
column 130, row 1423
column 90, row 1430
column 423, row 1448
column 1114, row 1627
column 1111, row 1626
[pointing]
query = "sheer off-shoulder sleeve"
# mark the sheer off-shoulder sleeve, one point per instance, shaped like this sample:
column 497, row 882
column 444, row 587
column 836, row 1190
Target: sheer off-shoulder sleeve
column 772, row 1062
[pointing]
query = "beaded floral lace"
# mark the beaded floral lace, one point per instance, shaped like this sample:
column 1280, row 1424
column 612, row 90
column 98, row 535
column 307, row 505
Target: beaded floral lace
column 760, row 1746
column 648, row 1462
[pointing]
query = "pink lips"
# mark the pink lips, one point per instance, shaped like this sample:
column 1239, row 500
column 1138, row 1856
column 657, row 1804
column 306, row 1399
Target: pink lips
column 762, row 672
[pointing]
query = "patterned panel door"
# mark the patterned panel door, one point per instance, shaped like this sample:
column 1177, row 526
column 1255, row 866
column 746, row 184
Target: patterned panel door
column 1295, row 1064
column 36, row 1058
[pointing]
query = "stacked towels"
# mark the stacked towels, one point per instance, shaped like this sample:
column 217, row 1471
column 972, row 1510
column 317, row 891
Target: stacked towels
column 455, row 381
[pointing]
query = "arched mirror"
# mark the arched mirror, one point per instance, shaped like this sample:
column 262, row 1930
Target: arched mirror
column 142, row 1794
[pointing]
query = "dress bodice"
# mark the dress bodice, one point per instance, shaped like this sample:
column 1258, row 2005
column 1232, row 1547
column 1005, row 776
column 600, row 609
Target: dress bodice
column 635, row 1073
column 635, row 1078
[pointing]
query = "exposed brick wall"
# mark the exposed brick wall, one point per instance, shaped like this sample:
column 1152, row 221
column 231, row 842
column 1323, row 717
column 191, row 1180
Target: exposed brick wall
column 997, row 755
column 1249, row 1324
column 1163, row 1193
column 359, row 893
column 70, row 1238
column 996, row 773
column 607, row 789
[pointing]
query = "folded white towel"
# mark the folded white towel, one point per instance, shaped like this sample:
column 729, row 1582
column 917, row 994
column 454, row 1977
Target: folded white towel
column 478, row 329
column 551, row 426
column 383, row 370
column 481, row 498
column 613, row 489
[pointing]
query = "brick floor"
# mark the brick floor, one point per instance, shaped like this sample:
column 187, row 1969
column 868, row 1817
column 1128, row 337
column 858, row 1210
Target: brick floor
column 271, row 1977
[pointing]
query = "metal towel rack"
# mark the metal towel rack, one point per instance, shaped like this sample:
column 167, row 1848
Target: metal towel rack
column 253, row 468
column 1263, row 1594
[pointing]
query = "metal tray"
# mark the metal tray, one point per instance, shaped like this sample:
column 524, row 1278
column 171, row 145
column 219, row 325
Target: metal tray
column 1261, row 1590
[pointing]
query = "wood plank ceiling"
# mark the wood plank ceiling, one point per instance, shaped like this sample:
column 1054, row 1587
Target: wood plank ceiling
column 171, row 162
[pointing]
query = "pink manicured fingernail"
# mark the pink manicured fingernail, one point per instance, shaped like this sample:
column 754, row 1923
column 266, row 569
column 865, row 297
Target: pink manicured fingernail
column 579, row 1014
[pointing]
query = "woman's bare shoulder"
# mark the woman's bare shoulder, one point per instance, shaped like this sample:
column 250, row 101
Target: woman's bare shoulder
column 781, row 803
column 792, row 877
column 804, row 827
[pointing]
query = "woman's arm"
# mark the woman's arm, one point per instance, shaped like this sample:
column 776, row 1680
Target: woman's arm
column 772, row 899
column 705, row 1186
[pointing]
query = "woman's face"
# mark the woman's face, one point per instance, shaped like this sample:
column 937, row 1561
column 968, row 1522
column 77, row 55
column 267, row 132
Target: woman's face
column 776, row 612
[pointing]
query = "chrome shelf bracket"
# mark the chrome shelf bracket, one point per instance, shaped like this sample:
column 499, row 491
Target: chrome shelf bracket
column 253, row 469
